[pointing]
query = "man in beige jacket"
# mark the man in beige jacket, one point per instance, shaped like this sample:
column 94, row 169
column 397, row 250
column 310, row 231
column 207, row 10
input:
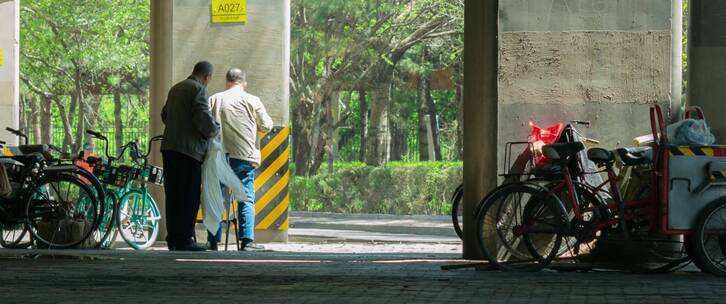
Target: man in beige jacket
column 241, row 115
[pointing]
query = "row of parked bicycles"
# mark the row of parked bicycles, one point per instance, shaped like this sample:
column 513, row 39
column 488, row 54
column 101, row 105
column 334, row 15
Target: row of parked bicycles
column 50, row 199
column 563, row 202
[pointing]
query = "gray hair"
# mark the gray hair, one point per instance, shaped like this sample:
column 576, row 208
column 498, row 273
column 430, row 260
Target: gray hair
column 236, row 75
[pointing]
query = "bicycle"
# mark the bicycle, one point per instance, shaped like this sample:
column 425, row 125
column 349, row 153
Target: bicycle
column 525, row 162
column 11, row 235
column 45, row 202
column 135, row 214
column 538, row 218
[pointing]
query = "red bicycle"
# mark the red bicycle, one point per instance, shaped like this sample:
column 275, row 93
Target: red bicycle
column 524, row 226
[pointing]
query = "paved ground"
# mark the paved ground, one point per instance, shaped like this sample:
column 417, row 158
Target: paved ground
column 386, row 260
column 299, row 276
column 372, row 227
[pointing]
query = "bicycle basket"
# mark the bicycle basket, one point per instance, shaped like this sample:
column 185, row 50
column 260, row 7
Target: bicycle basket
column 152, row 174
column 124, row 175
column 115, row 176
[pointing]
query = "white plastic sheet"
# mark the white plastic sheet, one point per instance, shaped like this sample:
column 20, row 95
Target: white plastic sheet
column 216, row 170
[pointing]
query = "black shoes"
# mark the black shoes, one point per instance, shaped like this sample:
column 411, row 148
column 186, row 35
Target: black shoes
column 213, row 246
column 188, row 247
column 193, row 247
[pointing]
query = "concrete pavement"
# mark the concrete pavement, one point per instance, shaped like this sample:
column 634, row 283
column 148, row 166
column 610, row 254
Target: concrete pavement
column 123, row 276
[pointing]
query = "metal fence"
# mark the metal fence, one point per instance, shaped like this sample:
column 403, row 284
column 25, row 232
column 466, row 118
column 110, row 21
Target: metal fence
column 129, row 134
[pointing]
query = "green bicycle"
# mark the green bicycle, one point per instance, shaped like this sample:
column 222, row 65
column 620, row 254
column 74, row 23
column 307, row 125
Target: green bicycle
column 132, row 211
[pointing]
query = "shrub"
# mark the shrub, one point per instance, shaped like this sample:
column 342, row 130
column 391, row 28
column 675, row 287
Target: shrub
column 398, row 188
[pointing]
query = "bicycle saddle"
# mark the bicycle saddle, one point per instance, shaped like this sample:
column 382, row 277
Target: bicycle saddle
column 28, row 159
column 600, row 156
column 635, row 156
column 29, row 149
column 92, row 160
column 562, row 151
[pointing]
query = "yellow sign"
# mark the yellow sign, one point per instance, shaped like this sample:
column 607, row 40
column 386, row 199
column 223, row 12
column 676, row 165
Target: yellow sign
column 1, row 57
column 229, row 11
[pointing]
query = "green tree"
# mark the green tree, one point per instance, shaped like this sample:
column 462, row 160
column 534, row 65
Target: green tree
column 76, row 53
column 355, row 46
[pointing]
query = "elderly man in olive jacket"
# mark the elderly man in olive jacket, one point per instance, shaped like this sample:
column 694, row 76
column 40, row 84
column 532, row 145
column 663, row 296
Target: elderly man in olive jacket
column 189, row 126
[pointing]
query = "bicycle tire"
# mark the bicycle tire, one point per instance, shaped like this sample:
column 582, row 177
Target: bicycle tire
column 40, row 202
column 711, row 257
column 129, row 227
column 689, row 246
column 97, row 186
column 106, row 227
column 456, row 204
column 502, row 245
column 15, row 238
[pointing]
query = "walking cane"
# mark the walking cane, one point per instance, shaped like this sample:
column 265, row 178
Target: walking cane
column 231, row 211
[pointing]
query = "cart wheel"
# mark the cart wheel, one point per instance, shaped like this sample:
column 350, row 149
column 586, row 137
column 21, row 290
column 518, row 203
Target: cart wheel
column 709, row 239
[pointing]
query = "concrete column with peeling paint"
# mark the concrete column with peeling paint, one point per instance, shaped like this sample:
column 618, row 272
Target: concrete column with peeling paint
column 707, row 62
column 599, row 60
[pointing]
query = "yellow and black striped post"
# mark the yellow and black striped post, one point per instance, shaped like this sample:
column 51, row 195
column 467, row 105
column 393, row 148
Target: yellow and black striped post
column 272, row 177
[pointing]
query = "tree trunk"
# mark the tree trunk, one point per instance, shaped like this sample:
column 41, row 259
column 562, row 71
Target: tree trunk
column 33, row 130
column 72, row 113
column 118, row 121
column 308, row 137
column 433, row 121
column 82, row 108
column 67, row 125
column 46, row 121
column 23, row 123
column 423, row 122
column 363, row 126
column 92, row 116
column 459, row 121
column 379, row 137
column 399, row 140
column 332, row 132
column 80, row 125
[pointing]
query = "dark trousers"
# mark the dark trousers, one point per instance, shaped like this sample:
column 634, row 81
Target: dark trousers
column 182, row 186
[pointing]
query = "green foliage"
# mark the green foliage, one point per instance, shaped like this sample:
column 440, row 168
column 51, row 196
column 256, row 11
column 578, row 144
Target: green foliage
column 397, row 188
column 78, row 54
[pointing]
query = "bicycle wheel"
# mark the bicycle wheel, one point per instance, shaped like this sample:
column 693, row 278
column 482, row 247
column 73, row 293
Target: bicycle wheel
column 61, row 210
column 14, row 236
column 520, row 227
column 709, row 239
column 98, row 189
column 102, row 236
column 584, row 235
column 457, row 211
column 138, row 219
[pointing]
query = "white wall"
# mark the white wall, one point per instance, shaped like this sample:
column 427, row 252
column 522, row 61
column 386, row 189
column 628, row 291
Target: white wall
column 10, row 68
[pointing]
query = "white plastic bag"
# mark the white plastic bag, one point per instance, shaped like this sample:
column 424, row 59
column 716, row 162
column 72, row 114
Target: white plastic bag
column 216, row 170
column 689, row 132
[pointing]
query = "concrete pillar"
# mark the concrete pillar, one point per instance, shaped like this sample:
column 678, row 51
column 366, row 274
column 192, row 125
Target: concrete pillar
column 707, row 62
column 9, row 67
column 183, row 34
column 676, row 59
column 161, row 81
column 599, row 60
column 480, row 115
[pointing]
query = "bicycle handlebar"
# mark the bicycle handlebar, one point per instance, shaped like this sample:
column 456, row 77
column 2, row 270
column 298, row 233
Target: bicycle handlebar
column 17, row 133
column 96, row 134
column 101, row 137
column 581, row 122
